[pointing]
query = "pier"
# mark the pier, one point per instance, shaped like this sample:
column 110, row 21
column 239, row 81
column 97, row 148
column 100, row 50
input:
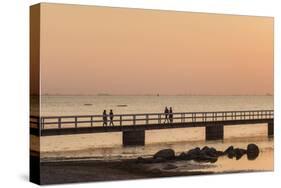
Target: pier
column 133, row 126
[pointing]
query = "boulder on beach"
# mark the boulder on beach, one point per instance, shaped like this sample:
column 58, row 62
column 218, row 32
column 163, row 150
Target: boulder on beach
column 238, row 153
column 252, row 151
column 183, row 156
column 205, row 154
column 193, row 153
column 211, row 152
column 232, row 152
column 167, row 154
column 228, row 150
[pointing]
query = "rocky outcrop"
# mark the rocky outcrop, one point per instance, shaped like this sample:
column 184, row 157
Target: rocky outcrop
column 232, row 152
column 206, row 154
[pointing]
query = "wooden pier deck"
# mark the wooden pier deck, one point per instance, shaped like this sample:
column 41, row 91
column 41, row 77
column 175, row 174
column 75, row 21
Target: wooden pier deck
column 134, row 126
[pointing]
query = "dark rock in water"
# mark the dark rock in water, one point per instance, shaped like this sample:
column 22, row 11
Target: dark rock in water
column 239, row 153
column 231, row 154
column 214, row 159
column 252, row 151
column 170, row 167
column 206, row 154
column 183, row 156
column 205, row 158
column 220, row 153
column 165, row 154
column 193, row 154
column 205, row 148
column 228, row 150
column 212, row 152
column 196, row 151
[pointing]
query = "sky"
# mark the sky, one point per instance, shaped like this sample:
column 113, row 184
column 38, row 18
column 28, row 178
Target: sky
column 88, row 50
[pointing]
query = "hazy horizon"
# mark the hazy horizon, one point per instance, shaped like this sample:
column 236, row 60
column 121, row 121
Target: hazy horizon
column 89, row 50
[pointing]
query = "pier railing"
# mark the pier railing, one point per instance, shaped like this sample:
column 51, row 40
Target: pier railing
column 53, row 122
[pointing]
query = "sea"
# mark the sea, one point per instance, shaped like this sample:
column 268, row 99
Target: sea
column 108, row 146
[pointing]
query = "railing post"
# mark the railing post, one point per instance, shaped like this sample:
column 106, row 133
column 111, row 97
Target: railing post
column 159, row 118
column 120, row 120
column 134, row 119
column 42, row 123
column 204, row 117
column 91, row 121
column 75, row 122
column 59, row 122
column 146, row 118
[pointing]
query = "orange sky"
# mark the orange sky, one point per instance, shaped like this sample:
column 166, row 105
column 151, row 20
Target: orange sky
column 90, row 50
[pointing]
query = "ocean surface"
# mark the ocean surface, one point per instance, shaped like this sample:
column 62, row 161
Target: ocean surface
column 108, row 146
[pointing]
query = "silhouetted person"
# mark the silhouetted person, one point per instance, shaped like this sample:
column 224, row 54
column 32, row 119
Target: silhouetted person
column 166, row 112
column 171, row 115
column 111, row 117
column 104, row 117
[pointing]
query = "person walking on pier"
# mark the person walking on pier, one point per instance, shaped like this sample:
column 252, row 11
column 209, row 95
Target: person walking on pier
column 171, row 115
column 166, row 112
column 104, row 117
column 111, row 118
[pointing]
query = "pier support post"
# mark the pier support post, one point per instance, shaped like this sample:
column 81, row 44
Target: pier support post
column 134, row 138
column 270, row 129
column 214, row 132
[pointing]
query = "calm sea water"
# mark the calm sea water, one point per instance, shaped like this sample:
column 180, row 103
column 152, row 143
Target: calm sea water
column 74, row 105
column 109, row 145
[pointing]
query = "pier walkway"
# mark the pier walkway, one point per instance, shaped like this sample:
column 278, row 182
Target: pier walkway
column 133, row 126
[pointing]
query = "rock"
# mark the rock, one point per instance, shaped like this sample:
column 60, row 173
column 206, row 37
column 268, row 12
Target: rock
column 183, row 156
column 205, row 158
column 167, row 154
column 231, row 154
column 214, row 159
column 239, row 153
column 252, row 151
column 228, row 150
column 195, row 152
column 207, row 154
column 212, row 152
column 205, row 148
column 220, row 153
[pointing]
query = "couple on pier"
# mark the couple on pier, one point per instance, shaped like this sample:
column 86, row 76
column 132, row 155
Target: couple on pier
column 104, row 116
column 168, row 115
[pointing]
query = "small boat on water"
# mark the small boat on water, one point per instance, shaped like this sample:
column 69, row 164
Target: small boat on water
column 88, row 104
column 122, row 105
